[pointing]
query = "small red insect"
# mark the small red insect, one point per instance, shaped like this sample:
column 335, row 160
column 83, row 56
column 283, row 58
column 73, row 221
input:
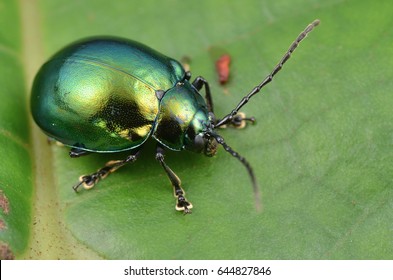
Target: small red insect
column 222, row 67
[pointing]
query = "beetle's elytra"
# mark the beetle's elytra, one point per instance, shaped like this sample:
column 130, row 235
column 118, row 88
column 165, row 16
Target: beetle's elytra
column 106, row 95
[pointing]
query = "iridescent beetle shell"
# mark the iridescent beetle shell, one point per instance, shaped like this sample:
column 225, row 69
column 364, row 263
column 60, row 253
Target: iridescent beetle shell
column 106, row 95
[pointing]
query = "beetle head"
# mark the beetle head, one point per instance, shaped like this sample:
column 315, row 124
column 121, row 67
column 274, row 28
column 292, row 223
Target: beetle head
column 196, row 138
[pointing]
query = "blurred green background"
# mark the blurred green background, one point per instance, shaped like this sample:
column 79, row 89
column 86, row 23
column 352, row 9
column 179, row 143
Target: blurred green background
column 321, row 148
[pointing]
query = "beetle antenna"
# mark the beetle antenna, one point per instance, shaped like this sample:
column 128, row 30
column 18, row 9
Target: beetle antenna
column 235, row 154
column 269, row 78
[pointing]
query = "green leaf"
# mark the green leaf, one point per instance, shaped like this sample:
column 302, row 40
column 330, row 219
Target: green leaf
column 321, row 148
column 15, row 167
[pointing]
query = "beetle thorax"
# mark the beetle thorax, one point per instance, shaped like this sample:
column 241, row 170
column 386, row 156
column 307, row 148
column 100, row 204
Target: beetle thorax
column 182, row 116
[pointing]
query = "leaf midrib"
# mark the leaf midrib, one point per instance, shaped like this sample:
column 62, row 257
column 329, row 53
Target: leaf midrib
column 49, row 239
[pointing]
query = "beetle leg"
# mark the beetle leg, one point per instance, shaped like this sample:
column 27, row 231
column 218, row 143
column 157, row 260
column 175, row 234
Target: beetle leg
column 76, row 152
column 198, row 83
column 89, row 181
column 182, row 203
column 239, row 121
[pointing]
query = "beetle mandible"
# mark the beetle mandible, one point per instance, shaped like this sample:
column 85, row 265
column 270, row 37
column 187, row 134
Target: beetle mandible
column 108, row 94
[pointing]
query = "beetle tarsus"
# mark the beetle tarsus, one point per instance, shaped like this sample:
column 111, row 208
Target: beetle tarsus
column 182, row 203
column 239, row 121
column 88, row 181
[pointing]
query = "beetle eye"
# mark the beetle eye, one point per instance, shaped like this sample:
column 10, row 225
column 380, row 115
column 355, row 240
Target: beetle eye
column 199, row 143
column 187, row 75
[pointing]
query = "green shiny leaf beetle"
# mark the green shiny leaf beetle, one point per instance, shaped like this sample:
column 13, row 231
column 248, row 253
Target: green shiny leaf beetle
column 106, row 95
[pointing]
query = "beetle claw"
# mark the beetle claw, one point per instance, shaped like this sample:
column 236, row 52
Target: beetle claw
column 187, row 211
column 183, row 205
column 75, row 187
